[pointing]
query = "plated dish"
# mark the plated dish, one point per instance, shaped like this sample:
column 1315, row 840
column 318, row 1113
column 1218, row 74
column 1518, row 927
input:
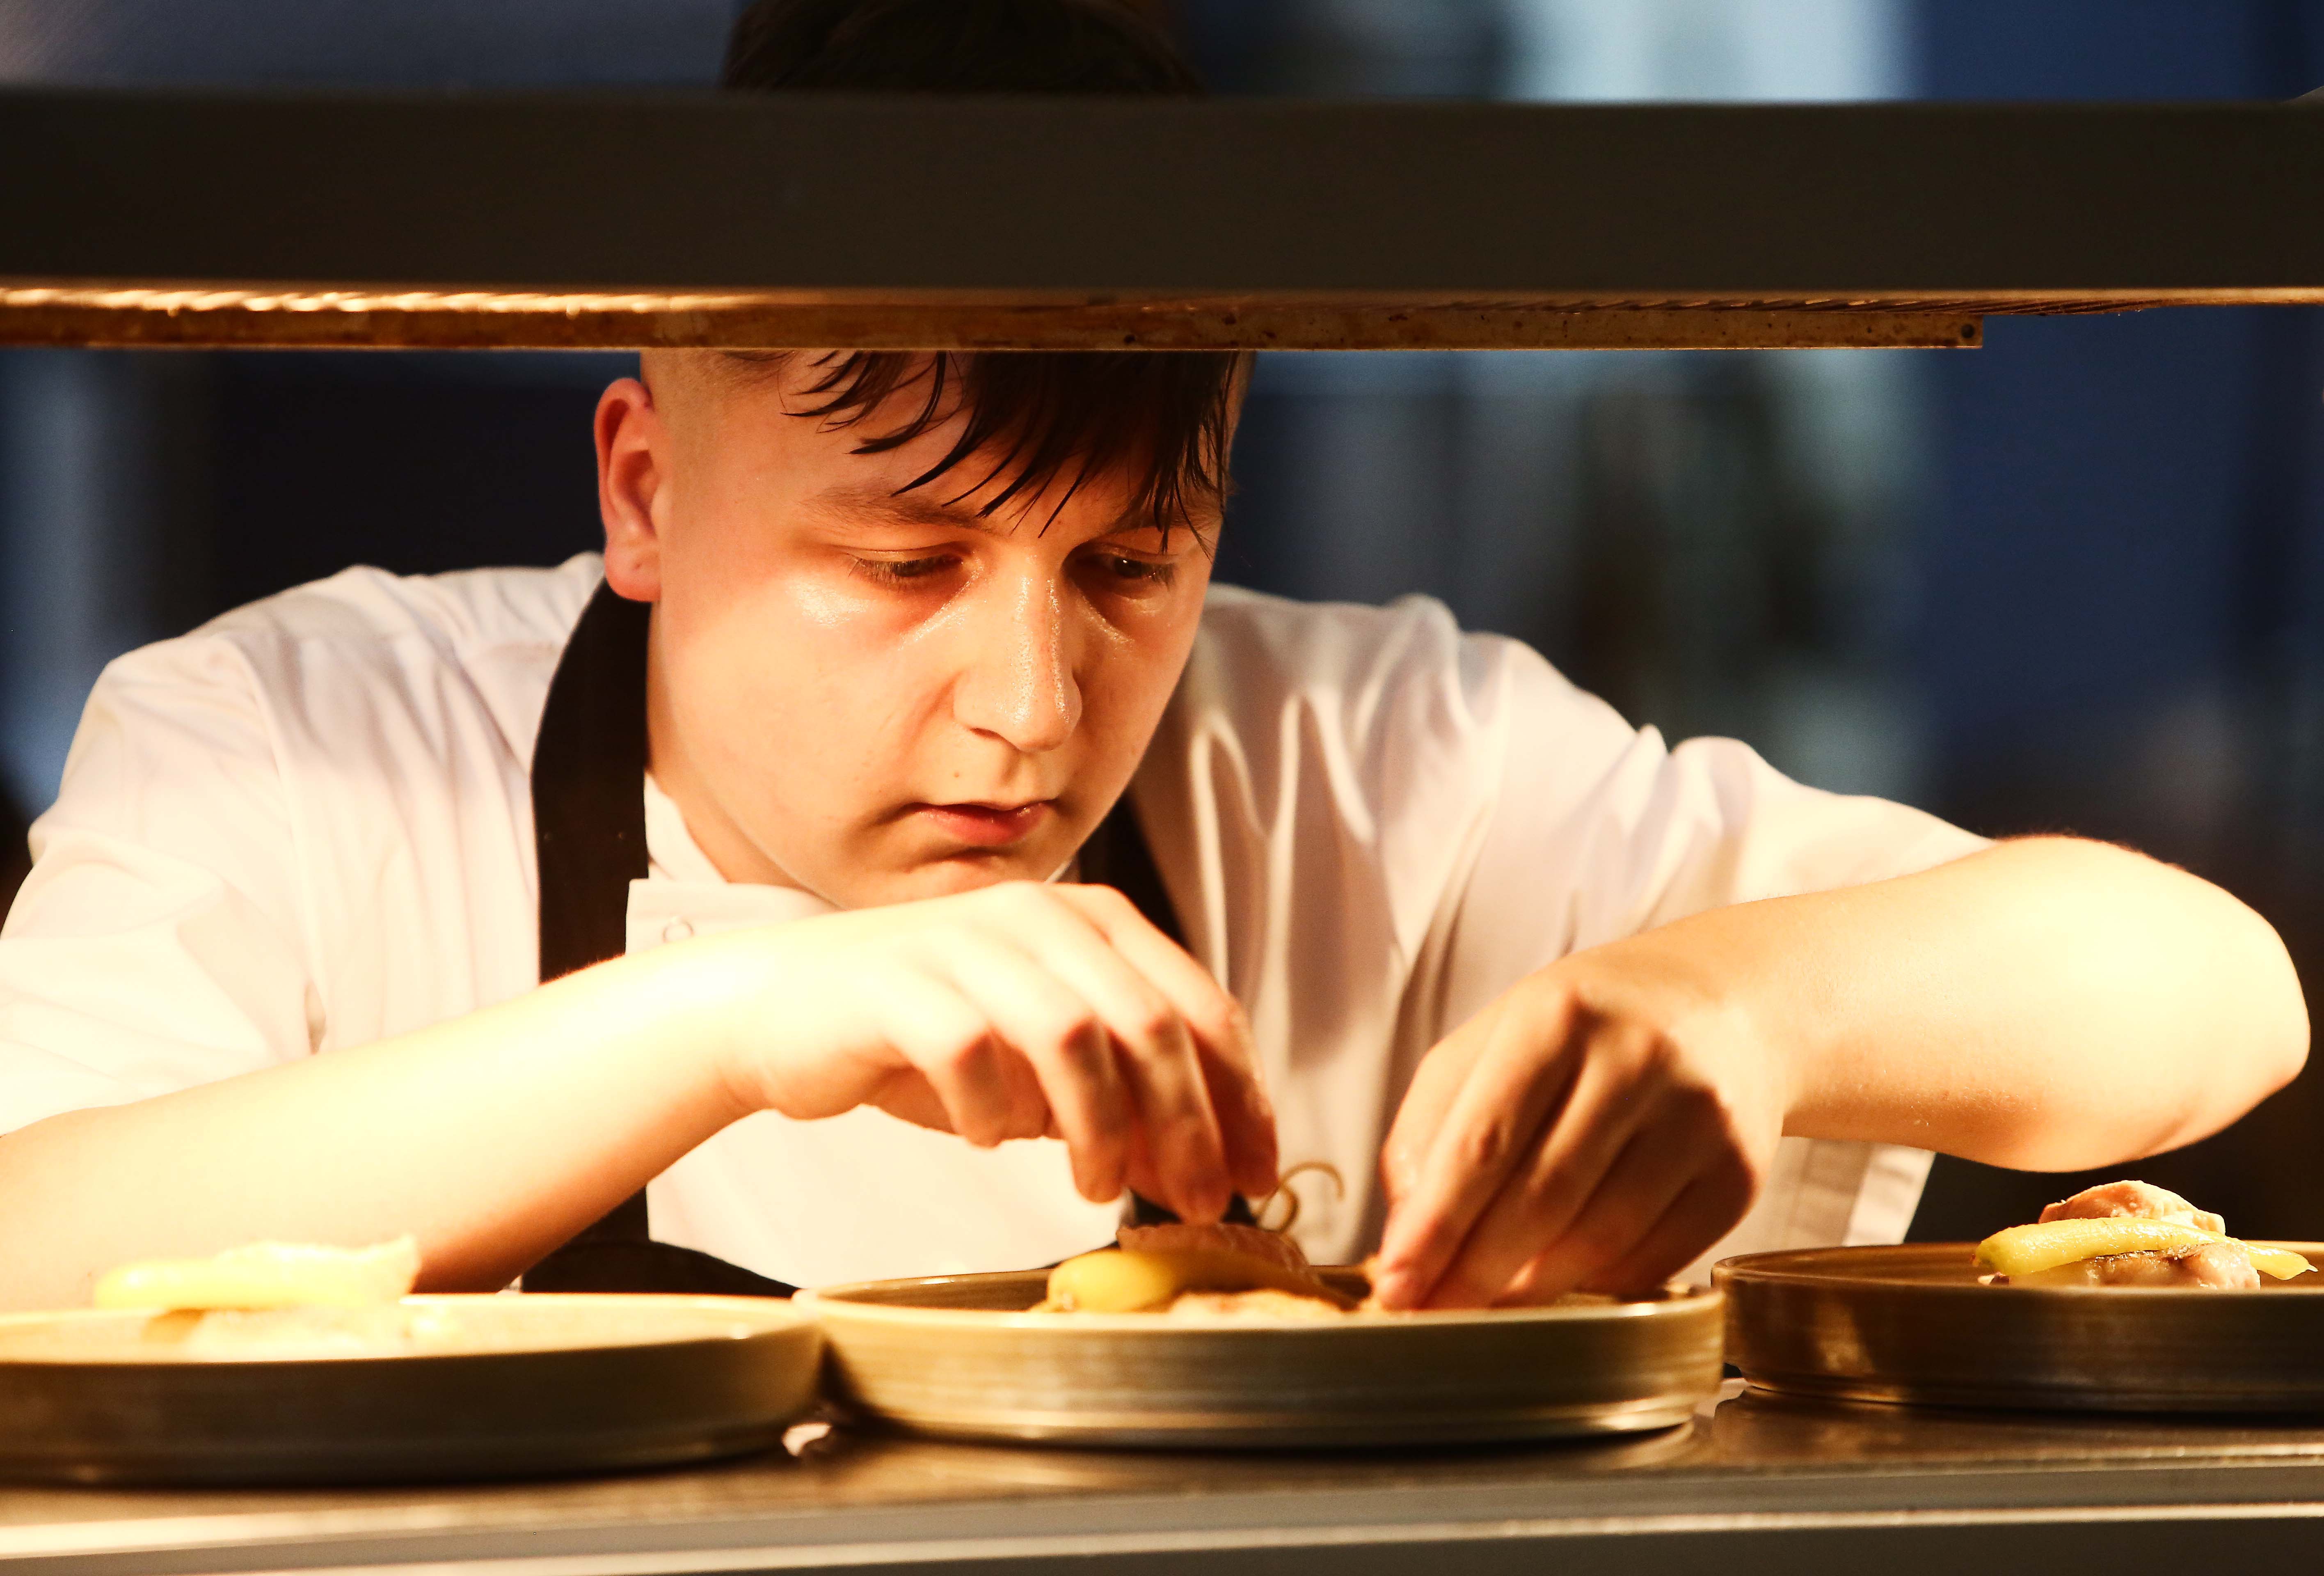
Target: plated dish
column 2122, row 1299
column 981, row 1357
column 531, row 1385
column 305, row 1366
column 2131, row 1234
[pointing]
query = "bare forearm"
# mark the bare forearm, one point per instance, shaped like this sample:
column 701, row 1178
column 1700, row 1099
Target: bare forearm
column 495, row 1137
column 492, row 1138
column 2048, row 1004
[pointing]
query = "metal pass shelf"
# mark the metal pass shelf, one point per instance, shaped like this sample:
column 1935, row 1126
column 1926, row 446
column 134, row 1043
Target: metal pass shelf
column 1759, row 1485
column 615, row 220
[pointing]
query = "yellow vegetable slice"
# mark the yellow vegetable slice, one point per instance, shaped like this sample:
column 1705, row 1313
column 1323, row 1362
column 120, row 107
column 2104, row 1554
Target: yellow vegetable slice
column 1119, row 1281
column 267, row 1274
column 2279, row 1263
column 2028, row 1250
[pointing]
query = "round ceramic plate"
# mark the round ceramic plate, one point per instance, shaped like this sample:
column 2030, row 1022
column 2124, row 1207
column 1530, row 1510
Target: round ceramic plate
column 495, row 1386
column 1912, row 1324
column 961, row 1356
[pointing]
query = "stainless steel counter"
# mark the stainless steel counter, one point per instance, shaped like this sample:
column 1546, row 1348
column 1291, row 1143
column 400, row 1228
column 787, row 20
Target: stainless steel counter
column 1756, row 1484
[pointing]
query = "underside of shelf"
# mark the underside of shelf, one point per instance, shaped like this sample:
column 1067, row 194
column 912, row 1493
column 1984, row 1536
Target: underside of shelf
column 593, row 222
column 324, row 318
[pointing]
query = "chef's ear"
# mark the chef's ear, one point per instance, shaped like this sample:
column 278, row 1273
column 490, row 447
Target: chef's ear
column 633, row 471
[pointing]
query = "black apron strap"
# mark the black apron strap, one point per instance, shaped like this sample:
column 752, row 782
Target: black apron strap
column 1116, row 856
column 589, row 833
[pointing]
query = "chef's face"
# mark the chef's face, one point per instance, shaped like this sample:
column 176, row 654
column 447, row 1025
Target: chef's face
column 872, row 694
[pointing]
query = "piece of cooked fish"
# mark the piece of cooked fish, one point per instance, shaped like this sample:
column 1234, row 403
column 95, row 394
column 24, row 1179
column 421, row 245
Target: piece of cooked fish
column 1253, row 1308
column 1251, row 1241
column 311, row 1331
column 2133, row 1200
column 2225, row 1266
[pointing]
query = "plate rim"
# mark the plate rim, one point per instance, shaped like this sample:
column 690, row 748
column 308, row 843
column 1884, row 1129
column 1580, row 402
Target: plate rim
column 1751, row 1269
column 841, row 1302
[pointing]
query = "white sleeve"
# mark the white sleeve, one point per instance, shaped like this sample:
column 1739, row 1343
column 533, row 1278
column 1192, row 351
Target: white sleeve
column 1599, row 830
column 1374, row 825
column 159, row 941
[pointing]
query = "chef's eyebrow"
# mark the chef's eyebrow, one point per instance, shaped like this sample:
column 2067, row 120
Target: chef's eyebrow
column 912, row 508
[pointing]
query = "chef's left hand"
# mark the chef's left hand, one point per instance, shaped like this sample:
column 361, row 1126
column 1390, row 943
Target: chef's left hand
column 1596, row 1128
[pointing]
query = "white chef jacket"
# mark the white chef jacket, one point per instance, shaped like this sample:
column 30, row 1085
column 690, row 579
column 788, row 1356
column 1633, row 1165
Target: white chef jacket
column 309, row 825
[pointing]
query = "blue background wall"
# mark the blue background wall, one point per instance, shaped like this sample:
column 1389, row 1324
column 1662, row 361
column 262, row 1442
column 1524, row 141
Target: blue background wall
column 2121, row 629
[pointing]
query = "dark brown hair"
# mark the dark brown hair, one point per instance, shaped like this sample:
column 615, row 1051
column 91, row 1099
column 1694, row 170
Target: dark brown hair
column 1165, row 418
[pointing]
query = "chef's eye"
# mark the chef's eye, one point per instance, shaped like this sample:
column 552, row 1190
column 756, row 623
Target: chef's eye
column 896, row 571
column 1135, row 572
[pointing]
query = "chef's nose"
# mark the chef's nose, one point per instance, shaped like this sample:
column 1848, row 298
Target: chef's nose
column 1017, row 683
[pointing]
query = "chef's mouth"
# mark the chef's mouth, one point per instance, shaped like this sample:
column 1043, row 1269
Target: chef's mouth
column 988, row 826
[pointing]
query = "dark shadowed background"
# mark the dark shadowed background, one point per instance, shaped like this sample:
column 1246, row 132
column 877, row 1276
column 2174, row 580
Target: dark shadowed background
column 2073, row 581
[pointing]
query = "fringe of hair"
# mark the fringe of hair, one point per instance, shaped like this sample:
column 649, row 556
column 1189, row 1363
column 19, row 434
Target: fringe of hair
column 1166, row 419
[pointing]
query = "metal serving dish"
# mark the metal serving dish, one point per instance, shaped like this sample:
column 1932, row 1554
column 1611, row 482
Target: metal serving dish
column 960, row 1356
column 1910, row 1325
column 535, row 1384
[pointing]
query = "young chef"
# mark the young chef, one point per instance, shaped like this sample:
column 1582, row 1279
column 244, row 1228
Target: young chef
column 888, row 662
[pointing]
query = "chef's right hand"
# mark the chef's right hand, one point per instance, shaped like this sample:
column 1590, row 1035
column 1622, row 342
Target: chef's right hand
column 1017, row 1011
